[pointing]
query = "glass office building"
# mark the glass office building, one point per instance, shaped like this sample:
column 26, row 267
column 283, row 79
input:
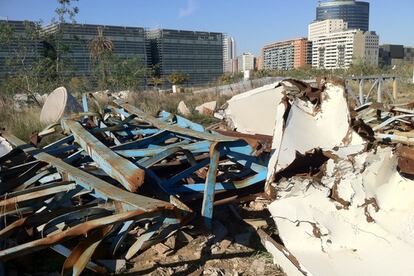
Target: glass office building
column 128, row 42
column 199, row 55
column 355, row 13
column 19, row 49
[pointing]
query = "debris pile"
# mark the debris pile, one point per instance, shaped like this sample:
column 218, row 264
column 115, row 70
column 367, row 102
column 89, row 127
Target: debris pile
column 325, row 182
column 342, row 183
column 117, row 182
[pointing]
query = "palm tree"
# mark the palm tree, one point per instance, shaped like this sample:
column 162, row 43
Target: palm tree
column 100, row 49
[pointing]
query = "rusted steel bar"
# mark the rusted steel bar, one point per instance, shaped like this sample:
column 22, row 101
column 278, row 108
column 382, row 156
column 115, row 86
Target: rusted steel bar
column 36, row 194
column 64, row 251
column 78, row 230
column 90, row 182
column 174, row 128
column 82, row 253
column 102, row 188
column 208, row 199
column 121, row 169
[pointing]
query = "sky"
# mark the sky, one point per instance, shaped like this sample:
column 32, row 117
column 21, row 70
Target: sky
column 253, row 23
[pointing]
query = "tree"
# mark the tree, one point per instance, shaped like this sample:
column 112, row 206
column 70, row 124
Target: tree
column 155, row 78
column 24, row 62
column 230, row 78
column 58, row 53
column 101, row 49
column 177, row 78
column 127, row 73
column 155, row 81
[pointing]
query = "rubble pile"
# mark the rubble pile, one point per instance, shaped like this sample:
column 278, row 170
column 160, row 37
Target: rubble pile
column 342, row 181
column 325, row 183
column 117, row 182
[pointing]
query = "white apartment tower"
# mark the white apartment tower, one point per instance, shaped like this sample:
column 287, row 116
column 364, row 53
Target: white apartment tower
column 245, row 62
column 229, row 54
column 324, row 27
column 341, row 48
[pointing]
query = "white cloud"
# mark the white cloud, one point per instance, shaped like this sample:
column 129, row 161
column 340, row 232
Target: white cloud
column 189, row 9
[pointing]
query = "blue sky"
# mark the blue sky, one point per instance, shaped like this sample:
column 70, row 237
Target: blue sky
column 253, row 23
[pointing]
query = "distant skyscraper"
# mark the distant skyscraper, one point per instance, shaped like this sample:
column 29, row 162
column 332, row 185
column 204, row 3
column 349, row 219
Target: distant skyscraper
column 355, row 13
column 229, row 54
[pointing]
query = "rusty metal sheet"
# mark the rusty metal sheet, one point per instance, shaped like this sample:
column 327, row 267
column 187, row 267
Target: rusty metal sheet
column 406, row 159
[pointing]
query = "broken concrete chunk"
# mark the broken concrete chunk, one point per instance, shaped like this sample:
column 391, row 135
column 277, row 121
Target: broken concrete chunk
column 302, row 126
column 254, row 112
column 327, row 240
column 162, row 249
column 5, row 147
column 183, row 109
column 60, row 103
column 207, row 108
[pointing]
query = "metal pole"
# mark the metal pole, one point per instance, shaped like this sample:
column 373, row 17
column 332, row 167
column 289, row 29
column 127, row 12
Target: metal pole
column 394, row 88
column 413, row 74
column 379, row 91
column 361, row 91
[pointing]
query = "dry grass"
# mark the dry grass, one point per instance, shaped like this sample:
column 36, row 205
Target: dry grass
column 405, row 91
column 152, row 102
column 22, row 122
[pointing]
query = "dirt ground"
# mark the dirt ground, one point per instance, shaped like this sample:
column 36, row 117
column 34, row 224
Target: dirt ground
column 233, row 248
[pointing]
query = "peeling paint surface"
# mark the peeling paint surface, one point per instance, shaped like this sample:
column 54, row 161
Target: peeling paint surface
column 348, row 242
column 308, row 127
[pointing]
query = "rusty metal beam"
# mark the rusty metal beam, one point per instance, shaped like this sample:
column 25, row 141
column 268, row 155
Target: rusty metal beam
column 90, row 182
column 174, row 128
column 121, row 169
column 102, row 188
column 78, row 230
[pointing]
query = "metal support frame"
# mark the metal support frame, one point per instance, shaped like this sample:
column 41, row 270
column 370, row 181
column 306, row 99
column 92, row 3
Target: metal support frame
column 379, row 83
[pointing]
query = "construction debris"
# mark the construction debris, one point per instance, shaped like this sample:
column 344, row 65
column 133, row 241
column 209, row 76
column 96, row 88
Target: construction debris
column 254, row 112
column 58, row 104
column 5, row 147
column 207, row 108
column 119, row 179
column 323, row 178
column 336, row 200
column 183, row 109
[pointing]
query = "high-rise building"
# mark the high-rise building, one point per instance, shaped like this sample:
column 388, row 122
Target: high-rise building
column 318, row 28
column 128, row 42
column 229, row 54
column 287, row 54
column 245, row 62
column 199, row 55
column 340, row 49
column 355, row 13
column 19, row 47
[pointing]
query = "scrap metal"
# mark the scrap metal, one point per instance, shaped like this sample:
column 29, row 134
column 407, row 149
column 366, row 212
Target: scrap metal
column 114, row 171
